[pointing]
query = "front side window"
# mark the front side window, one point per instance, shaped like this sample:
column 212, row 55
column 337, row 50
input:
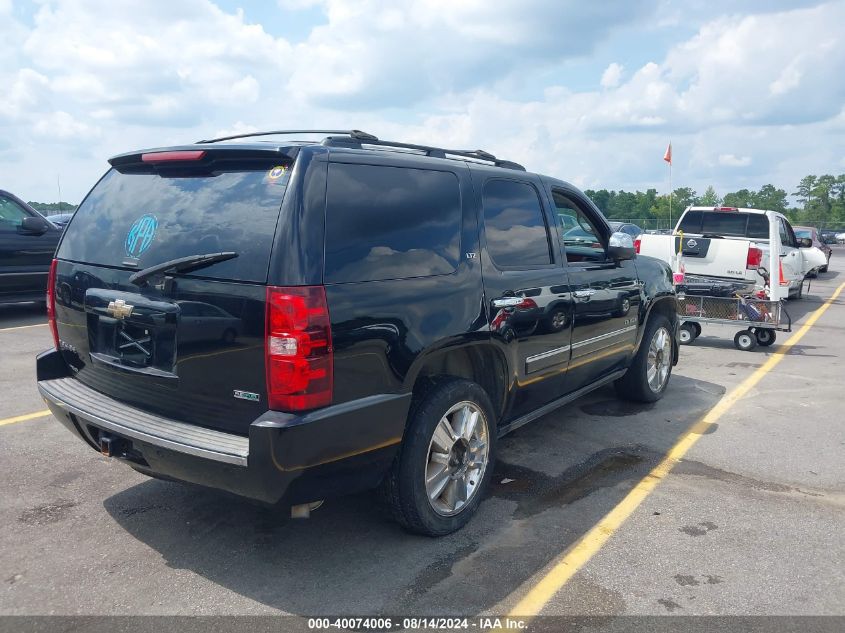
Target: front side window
column 790, row 234
column 514, row 225
column 582, row 239
column 11, row 214
column 784, row 234
column 390, row 223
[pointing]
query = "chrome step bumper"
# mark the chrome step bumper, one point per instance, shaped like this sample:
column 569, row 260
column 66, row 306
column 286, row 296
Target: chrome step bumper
column 88, row 405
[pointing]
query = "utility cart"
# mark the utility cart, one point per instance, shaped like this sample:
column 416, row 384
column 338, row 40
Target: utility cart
column 760, row 319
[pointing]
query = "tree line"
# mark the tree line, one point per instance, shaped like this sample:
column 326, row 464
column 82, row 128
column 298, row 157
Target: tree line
column 47, row 208
column 821, row 202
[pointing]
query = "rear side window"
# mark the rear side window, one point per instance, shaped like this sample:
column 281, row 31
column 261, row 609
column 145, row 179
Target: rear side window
column 732, row 223
column 390, row 223
column 514, row 225
column 142, row 219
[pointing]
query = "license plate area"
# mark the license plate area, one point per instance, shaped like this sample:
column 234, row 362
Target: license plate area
column 132, row 332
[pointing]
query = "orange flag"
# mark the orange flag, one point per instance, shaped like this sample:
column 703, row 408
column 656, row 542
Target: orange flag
column 668, row 155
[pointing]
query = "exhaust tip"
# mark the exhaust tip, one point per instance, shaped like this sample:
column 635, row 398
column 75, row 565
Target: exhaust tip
column 303, row 510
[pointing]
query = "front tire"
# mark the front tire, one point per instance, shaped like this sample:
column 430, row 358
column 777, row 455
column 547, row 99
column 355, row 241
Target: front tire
column 745, row 340
column 648, row 375
column 446, row 461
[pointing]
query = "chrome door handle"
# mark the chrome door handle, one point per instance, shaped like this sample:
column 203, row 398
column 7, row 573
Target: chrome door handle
column 584, row 294
column 507, row 302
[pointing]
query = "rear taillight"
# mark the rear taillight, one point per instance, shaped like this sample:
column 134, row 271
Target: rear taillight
column 51, row 303
column 754, row 259
column 637, row 243
column 298, row 349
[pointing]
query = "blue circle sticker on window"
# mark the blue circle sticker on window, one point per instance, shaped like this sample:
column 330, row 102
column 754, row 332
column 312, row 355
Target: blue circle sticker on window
column 141, row 235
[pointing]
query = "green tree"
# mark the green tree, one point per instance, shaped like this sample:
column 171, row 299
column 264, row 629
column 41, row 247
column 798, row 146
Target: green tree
column 770, row 198
column 741, row 198
column 600, row 198
column 709, row 198
column 805, row 190
column 682, row 198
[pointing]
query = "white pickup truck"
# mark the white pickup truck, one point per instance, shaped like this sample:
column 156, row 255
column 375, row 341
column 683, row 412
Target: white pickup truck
column 732, row 243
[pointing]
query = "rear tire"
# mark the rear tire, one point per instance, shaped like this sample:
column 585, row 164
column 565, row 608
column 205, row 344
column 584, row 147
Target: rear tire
column 651, row 368
column 686, row 334
column 420, row 495
column 765, row 337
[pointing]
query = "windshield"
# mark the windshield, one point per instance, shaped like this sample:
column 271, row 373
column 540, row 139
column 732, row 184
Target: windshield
column 807, row 233
column 139, row 220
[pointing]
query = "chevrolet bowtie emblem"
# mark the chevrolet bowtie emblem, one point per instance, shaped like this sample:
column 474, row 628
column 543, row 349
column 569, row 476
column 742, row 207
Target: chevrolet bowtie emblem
column 119, row 309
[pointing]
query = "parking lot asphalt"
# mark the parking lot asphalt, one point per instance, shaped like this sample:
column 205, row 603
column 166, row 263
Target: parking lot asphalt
column 748, row 522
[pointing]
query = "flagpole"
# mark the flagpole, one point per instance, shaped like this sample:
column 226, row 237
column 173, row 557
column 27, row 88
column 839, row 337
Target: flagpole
column 668, row 158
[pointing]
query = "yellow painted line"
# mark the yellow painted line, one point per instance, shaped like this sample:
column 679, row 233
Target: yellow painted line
column 24, row 418
column 580, row 552
column 21, row 327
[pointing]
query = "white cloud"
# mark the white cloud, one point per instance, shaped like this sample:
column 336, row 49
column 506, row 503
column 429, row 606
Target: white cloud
column 62, row 126
column 377, row 53
column 744, row 86
column 139, row 61
column 611, row 76
column 299, row 5
column 732, row 160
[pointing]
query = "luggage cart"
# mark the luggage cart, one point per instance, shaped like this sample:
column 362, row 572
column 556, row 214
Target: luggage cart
column 760, row 318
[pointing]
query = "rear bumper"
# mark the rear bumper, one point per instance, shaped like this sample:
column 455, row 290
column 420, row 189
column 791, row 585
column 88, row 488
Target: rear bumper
column 286, row 458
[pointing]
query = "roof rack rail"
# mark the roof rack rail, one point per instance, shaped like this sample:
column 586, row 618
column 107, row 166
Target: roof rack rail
column 357, row 138
column 356, row 134
column 437, row 152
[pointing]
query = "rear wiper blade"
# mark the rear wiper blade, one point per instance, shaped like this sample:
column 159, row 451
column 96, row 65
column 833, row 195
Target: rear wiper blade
column 180, row 265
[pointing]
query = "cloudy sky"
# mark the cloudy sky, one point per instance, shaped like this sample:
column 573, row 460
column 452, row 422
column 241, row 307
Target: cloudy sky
column 749, row 91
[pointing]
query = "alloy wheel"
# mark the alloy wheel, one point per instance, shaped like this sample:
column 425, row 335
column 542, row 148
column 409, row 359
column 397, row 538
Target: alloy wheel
column 659, row 359
column 457, row 458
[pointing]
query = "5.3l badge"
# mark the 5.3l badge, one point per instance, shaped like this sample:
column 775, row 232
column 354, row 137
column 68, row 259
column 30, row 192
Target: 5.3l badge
column 247, row 395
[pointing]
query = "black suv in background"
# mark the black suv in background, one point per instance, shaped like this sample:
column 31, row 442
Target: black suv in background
column 27, row 244
column 291, row 321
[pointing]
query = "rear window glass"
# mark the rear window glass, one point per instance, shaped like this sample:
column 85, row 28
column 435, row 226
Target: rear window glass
column 142, row 219
column 731, row 223
column 390, row 223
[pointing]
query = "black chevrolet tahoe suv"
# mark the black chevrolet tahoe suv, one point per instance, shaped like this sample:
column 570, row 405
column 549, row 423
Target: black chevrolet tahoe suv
column 291, row 321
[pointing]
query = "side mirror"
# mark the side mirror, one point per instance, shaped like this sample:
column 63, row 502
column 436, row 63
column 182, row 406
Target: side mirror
column 621, row 247
column 805, row 242
column 33, row 226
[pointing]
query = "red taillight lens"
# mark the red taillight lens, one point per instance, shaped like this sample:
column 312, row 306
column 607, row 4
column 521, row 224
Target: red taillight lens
column 51, row 303
column 170, row 157
column 637, row 243
column 754, row 259
column 298, row 349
